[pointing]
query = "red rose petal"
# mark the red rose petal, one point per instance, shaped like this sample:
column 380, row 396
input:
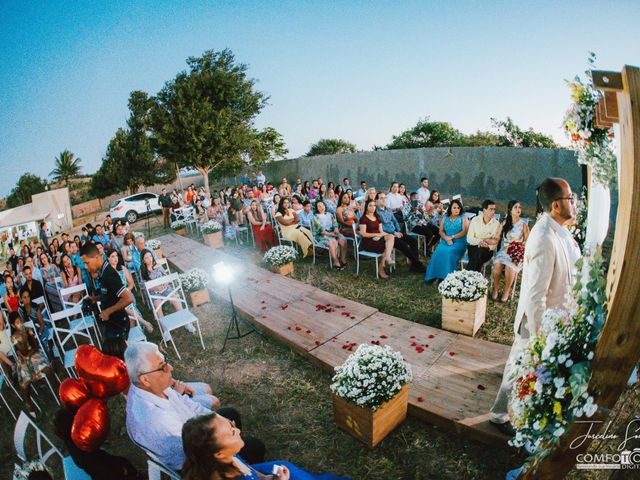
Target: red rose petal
column 481, row 387
column 412, row 336
column 298, row 328
column 263, row 301
column 284, row 307
column 452, row 353
column 264, row 308
column 383, row 336
column 426, row 345
column 353, row 318
column 264, row 316
column 414, row 344
column 318, row 342
column 421, row 399
column 308, row 331
column 391, row 324
column 288, row 328
column 431, row 336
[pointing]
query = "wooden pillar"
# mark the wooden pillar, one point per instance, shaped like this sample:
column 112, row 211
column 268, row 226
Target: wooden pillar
column 618, row 349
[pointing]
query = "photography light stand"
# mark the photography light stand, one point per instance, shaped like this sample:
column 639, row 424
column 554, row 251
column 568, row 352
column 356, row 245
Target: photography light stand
column 148, row 218
column 223, row 274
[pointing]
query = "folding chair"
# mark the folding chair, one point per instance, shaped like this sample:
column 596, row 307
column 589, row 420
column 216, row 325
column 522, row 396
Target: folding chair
column 364, row 253
column 156, row 468
column 136, row 334
column 66, row 339
column 171, row 290
column 281, row 239
column 418, row 236
column 67, row 293
column 3, row 380
column 45, row 448
column 315, row 245
column 457, row 197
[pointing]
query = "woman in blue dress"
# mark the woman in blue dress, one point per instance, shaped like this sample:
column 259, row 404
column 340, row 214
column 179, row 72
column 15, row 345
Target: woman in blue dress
column 211, row 444
column 453, row 244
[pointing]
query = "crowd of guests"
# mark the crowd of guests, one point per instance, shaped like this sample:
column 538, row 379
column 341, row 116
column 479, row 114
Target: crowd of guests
column 328, row 215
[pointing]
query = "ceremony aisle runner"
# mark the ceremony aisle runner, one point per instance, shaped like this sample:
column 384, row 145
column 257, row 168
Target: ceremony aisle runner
column 456, row 377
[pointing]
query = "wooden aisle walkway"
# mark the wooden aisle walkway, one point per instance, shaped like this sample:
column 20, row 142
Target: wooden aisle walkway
column 456, row 378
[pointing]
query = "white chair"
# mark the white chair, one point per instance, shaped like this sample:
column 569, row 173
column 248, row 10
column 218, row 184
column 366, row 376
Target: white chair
column 469, row 215
column 281, row 239
column 156, row 470
column 364, row 253
column 3, row 380
column 457, row 197
column 417, row 236
column 136, row 334
column 497, row 216
column 315, row 245
column 67, row 293
column 44, row 447
column 168, row 289
column 446, row 202
column 66, row 338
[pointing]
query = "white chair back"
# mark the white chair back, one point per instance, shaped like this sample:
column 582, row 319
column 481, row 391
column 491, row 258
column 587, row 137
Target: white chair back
column 3, row 380
column 457, row 197
column 165, row 289
column 44, row 447
column 67, row 293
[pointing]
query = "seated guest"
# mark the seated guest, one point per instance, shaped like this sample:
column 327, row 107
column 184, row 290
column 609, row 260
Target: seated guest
column 514, row 229
column 213, row 449
column 371, row 195
column 156, row 412
column 49, row 274
column 306, row 214
column 291, row 228
column 31, row 312
column 6, row 346
column 374, row 238
column 418, row 221
column 331, row 201
column 296, row 204
column 326, row 235
column 362, row 191
column 314, row 190
column 275, row 201
column 117, row 241
column 395, row 201
column 98, row 464
column 346, row 216
column 434, row 199
column 127, row 250
column 10, row 298
column 71, row 277
column 262, row 230
column 453, row 244
column 199, row 211
column 34, row 286
column 76, row 260
column 423, row 192
column 483, row 236
column 101, row 237
column 216, row 211
column 407, row 245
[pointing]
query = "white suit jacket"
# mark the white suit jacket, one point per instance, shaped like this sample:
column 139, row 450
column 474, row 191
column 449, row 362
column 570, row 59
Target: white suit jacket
column 547, row 274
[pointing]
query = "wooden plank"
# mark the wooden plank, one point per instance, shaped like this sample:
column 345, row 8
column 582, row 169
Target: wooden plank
column 611, row 107
column 606, row 80
column 618, row 349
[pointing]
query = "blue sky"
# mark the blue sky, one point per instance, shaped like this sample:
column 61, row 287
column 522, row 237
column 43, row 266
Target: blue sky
column 361, row 71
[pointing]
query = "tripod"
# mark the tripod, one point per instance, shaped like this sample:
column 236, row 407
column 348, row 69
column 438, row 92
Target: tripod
column 235, row 324
column 148, row 218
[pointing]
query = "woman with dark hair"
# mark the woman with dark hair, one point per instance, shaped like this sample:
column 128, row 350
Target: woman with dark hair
column 322, row 192
column 262, row 231
column 374, row 238
column 77, row 241
column 305, row 189
column 371, row 195
column 291, row 228
column 345, row 215
column 212, row 445
column 339, row 190
column 275, row 203
column 50, row 273
column 434, row 199
column 514, row 229
column 71, row 277
column 10, row 298
column 453, row 244
column 326, row 235
column 54, row 253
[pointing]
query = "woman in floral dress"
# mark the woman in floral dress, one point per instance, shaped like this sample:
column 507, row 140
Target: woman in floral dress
column 50, row 274
column 326, row 235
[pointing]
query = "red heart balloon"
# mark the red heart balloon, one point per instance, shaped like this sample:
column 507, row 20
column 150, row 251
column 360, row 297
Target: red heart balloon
column 105, row 375
column 73, row 393
column 91, row 425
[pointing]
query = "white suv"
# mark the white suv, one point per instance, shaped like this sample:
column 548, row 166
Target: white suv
column 134, row 206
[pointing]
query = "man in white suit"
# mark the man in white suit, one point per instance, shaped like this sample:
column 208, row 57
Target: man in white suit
column 547, row 277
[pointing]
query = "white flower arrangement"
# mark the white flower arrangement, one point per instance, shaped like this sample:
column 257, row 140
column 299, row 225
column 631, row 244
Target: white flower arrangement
column 178, row 225
column 154, row 244
column 464, row 286
column 22, row 471
column 280, row 255
column 194, row 280
column 210, row 227
column 371, row 376
column 552, row 373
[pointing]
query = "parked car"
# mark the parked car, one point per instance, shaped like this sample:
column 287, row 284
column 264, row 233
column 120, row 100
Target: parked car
column 134, row 206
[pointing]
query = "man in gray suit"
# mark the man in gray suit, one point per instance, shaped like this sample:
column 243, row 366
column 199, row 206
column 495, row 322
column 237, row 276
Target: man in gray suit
column 547, row 277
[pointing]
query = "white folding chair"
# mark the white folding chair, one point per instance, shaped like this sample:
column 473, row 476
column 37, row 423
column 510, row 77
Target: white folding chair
column 281, row 239
column 67, row 293
column 315, row 245
column 164, row 264
column 156, row 468
column 165, row 290
column 44, row 447
column 3, row 380
column 445, row 203
column 457, row 197
column 418, row 236
column 364, row 253
column 136, row 334
column 66, row 338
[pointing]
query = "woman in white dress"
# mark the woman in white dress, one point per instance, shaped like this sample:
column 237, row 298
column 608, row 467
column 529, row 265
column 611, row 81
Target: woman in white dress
column 514, row 229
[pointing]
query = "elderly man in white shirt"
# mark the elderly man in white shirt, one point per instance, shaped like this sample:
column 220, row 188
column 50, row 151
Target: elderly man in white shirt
column 156, row 412
column 423, row 192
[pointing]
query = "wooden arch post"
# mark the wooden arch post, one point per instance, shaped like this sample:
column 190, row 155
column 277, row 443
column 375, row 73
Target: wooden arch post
column 618, row 349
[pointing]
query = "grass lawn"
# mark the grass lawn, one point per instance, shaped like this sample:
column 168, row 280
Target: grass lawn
column 286, row 401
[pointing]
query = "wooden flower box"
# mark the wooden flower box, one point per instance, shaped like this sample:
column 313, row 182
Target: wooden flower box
column 283, row 270
column 200, row 297
column 214, row 240
column 371, row 427
column 464, row 317
column 181, row 231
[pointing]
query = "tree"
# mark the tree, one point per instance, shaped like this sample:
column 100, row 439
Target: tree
column 203, row 118
column 510, row 135
column 28, row 185
column 130, row 160
column 331, row 146
column 269, row 146
column 67, row 166
column 481, row 139
column 428, row 134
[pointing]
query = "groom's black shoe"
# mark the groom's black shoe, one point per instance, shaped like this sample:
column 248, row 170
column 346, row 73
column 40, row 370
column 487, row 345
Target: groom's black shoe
column 507, row 428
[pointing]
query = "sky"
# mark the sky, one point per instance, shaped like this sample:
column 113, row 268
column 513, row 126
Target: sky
column 361, row 71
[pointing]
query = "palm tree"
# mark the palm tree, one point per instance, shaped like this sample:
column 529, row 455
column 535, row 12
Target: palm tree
column 66, row 167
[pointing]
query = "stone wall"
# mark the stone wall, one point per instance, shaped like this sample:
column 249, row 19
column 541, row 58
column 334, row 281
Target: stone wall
column 499, row 173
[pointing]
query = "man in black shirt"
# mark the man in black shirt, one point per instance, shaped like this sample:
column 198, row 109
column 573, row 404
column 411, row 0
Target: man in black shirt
column 165, row 202
column 114, row 295
column 34, row 286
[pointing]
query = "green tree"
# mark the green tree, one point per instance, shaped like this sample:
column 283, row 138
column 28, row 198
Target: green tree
column 428, row 134
column 28, row 185
column 203, row 118
column 510, row 135
column 481, row 139
column 130, row 160
column 331, row 146
column 269, row 146
column 67, row 166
